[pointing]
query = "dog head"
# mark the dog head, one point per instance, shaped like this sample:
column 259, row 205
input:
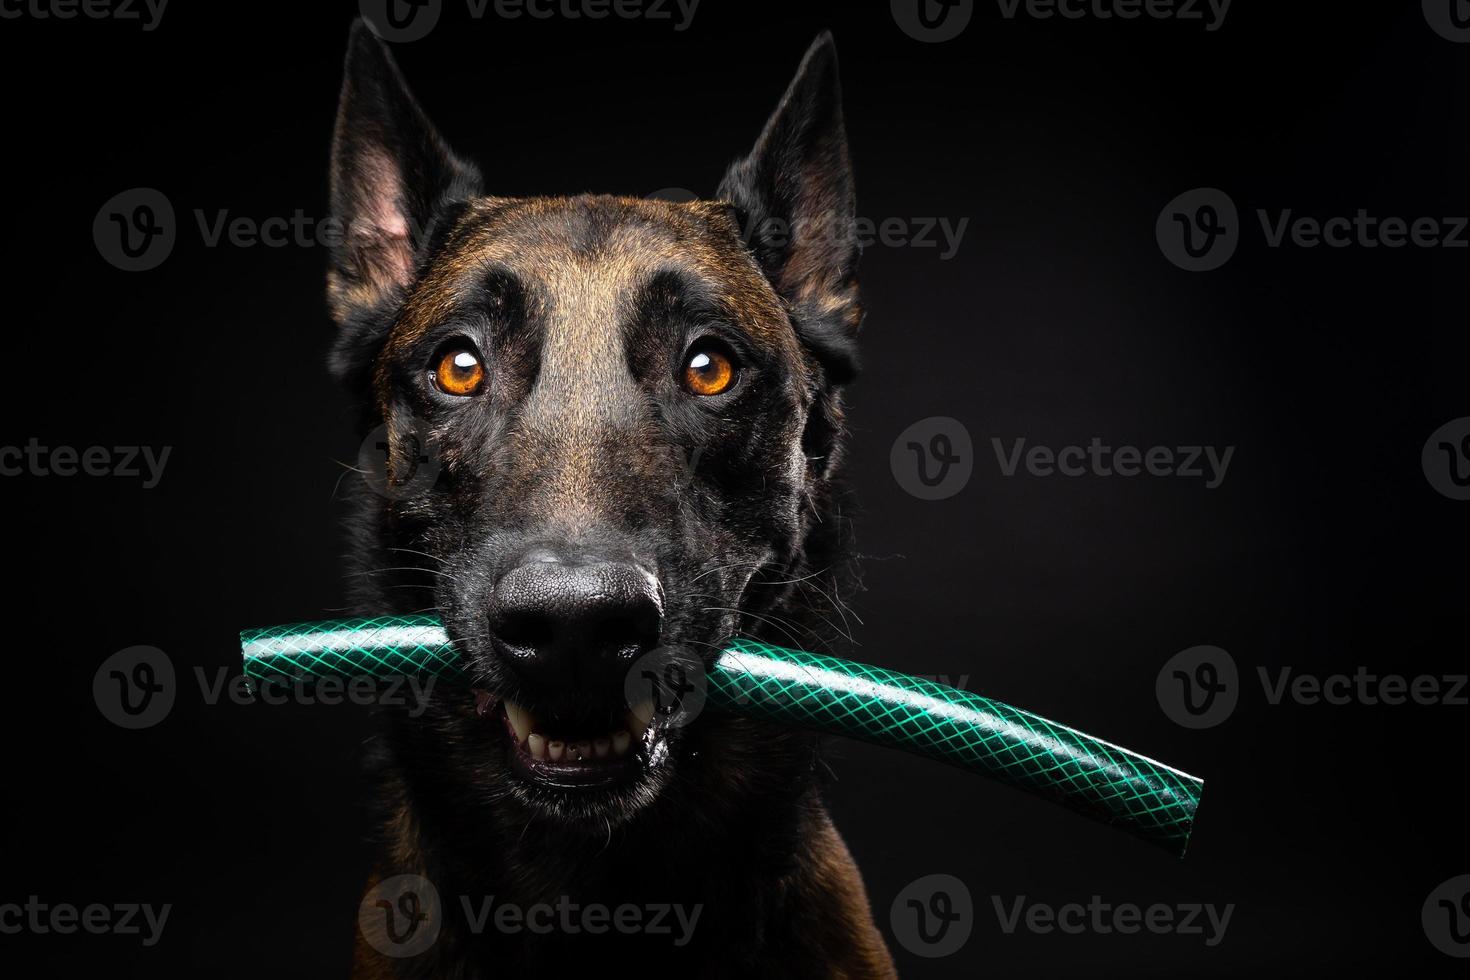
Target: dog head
column 632, row 412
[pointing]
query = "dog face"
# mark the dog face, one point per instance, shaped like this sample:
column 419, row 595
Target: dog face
column 632, row 408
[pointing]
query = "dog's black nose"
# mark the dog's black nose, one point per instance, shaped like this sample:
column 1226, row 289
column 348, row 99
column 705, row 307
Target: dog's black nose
column 562, row 618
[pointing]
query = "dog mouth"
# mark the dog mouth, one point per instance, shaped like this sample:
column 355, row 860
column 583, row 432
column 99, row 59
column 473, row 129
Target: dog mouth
column 574, row 751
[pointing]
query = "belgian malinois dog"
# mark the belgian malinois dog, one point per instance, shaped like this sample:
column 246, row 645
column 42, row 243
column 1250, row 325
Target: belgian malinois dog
column 634, row 408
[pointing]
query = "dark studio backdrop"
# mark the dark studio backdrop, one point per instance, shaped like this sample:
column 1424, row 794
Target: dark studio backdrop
column 1057, row 316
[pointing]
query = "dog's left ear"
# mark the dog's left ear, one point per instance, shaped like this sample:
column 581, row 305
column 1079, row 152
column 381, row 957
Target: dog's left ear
column 393, row 175
column 796, row 203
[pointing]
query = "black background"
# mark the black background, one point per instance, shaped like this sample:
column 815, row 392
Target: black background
column 1058, row 320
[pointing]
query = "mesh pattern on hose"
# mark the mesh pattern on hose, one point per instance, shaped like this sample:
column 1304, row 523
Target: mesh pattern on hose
column 810, row 690
column 383, row 647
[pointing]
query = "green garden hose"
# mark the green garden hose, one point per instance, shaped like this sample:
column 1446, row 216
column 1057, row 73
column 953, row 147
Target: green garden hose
column 810, row 690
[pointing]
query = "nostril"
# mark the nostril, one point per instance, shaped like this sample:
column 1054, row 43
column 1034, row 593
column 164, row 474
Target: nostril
column 526, row 631
column 625, row 635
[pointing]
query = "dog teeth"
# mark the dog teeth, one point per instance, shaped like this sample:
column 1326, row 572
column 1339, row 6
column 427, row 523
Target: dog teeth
column 601, row 748
column 520, row 720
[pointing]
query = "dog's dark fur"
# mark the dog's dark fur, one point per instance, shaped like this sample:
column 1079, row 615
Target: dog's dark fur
column 583, row 308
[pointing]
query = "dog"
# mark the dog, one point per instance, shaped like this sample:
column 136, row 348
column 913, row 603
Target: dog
column 635, row 412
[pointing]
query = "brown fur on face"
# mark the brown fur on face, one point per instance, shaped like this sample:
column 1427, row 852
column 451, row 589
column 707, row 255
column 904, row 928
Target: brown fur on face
column 581, row 311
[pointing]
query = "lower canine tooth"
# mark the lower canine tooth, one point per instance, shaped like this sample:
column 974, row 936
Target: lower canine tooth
column 556, row 750
column 639, row 718
column 520, row 720
column 601, row 747
column 537, row 744
column 620, row 742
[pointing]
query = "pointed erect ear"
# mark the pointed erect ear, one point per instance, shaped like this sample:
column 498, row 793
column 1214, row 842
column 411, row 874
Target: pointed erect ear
column 392, row 175
column 795, row 196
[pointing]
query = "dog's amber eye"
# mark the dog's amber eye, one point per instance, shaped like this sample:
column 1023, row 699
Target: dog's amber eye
column 708, row 370
column 459, row 372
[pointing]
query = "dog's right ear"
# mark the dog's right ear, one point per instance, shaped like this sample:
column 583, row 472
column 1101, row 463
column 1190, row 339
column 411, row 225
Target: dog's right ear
column 392, row 177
